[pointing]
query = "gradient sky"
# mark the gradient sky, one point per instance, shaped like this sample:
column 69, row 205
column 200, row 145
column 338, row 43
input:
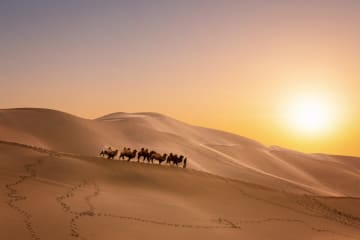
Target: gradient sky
column 231, row 65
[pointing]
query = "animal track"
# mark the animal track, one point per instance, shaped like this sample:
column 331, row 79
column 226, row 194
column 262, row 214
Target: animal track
column 311, row 207
column 314, row 205
column 91, row 212
column 14, row 196
column 228, row 223
column 288, row 220
column 40, row 149
column 224, row 224
column 75, row 215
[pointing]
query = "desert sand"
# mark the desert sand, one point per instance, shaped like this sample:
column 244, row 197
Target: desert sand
column 55, row 186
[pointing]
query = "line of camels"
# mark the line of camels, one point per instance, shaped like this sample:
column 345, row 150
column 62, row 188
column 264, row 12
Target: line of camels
column 149, row 156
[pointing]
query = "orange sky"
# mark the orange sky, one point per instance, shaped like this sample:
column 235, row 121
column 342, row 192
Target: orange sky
column 228, row 65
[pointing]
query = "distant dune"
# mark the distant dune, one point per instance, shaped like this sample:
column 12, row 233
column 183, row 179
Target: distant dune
column 208, row 150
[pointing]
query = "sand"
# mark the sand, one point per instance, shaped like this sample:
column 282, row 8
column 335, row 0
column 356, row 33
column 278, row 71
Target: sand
column 53, row 185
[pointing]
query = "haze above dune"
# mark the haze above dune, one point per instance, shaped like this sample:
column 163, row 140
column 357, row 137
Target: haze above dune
column 208, row 150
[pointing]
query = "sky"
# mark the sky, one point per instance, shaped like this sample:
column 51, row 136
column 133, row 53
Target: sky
column 285, row 73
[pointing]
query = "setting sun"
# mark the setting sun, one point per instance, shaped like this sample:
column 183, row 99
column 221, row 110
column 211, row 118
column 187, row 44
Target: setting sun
column 311, row 115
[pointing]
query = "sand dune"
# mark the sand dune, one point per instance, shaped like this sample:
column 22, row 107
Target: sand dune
column 54, row 185
column 51, row 195
column 208, row 150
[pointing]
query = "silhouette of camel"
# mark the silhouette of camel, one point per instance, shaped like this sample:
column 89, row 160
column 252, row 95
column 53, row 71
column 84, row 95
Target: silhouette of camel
column 109, row 153
column 143, row 153
column 112, row 154
column 128, row 153
column 178, row 160
column 124, row 152
column 157, row 156
column 104, row 152
column 174, row 159
column 149, row 158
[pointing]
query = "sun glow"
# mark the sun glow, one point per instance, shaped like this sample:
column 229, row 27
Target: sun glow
column 311, row 115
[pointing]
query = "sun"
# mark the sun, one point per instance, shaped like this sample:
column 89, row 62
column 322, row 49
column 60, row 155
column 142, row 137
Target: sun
column 311, row 115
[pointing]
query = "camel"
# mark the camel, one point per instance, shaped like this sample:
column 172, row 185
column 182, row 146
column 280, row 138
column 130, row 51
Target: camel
column 127, row 153
column 112, row 154
column 170, row 158
column 104, row 151
column 109, row 153
column 143, row 153
column 174, row 159
column 157, row 156
column 178, row 160
column 124, row 152
column 149, row 156
column 131, row 155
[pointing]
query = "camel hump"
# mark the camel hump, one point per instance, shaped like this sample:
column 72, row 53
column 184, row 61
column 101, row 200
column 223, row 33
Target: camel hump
column 126, row 151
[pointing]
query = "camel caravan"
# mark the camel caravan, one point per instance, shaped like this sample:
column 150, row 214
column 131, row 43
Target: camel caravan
column 145, row 155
